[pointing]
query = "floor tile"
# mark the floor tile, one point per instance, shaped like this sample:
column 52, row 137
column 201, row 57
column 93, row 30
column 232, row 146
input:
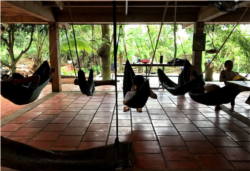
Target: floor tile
column 193, row 136
column 245, row 145
column 222, row 141
column 176, row 153
column 142, row 127
column 95, row 136
column 28, row 132
column 74, row 131
column 185, row 127
column 20, row 139
column 142, row 120
column 239, row 136
column 196, row 117
column 171, row 141
column 180, row 120
column 11, row 127
column 144, row 136
column 87, row 112
column 241, row 165
column 98, row 127
column 234, row 153
column 203, row 124
column 79, row 123
column 191, row 112
column 213, row 161
column 146, row 147
column 166, row 131
column 161, row 123
column 6, row 134
column 46, row 136
column 21, row 120
column 149, row 161
column 102, row 120
column 45, row 117
column 68, row 141
column 52, row 112
column 61, row 120
column 121, row 131
column 37, row 124
column 229, row 127
column 201, row 147
column 67, row 114
column 182, row 165
column 212, row 131
column 55, row 127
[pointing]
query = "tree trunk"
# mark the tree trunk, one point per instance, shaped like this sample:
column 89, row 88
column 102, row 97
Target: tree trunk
column 120, row 62
column 104, row 53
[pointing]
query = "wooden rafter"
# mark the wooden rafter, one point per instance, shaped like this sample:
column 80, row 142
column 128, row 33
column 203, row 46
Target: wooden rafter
column 29, row 8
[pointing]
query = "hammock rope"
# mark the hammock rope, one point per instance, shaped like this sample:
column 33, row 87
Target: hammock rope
column 70, row 14
column 70, row 50
column 163, row 17
column 227, row 38
column 175, row 29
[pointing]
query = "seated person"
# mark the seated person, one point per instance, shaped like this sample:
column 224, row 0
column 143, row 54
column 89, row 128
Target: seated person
column 138, row 82
column 229, row 75
column 38, row 78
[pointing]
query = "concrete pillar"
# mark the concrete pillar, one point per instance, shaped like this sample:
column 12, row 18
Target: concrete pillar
column 55, row 62
column 197, row 55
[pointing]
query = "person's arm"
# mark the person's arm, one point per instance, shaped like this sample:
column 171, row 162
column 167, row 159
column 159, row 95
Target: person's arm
column 34, row 79
column 223, row 77
column 153, row 95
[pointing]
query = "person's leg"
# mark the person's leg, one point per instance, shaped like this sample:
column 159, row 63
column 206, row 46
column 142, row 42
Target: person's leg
column 43, row 71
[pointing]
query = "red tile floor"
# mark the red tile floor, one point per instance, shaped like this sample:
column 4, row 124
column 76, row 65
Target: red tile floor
column 171, row 132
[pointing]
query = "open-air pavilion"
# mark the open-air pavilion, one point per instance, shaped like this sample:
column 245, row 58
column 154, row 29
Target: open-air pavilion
column 172, row 132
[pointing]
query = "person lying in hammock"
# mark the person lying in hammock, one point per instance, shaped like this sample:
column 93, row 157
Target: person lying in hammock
column 212, row 87
column 40, row 75
column 138, row 81
column 229, row 75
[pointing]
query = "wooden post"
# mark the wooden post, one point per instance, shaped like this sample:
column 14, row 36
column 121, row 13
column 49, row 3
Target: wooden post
column 197, row 55
column 55, row 62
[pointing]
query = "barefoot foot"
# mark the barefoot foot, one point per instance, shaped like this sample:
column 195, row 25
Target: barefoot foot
column 125, row 109
column 139, row 109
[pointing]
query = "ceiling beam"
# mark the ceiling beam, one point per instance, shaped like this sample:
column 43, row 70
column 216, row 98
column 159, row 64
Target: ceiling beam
column 187, row 25
column 144, row 4
column 210, row 12
column 32, row 8
column 22, row 19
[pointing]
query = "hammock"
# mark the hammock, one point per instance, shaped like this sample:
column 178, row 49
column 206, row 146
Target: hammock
column 86, row 87
column 21, row 95
column 174, row 88
column 141, row 97
column 223, row 95
column 21, row 156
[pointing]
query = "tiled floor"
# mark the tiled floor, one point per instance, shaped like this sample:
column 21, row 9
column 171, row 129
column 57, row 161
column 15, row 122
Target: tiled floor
column 171, row 132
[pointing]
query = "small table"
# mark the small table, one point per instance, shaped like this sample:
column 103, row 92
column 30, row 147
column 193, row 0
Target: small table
column 154, row 65
column 242, row 83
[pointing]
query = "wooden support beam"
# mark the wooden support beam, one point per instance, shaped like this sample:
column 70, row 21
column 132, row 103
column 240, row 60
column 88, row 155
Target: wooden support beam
column 60, row 4
column 55, row 61
column 197, row 55
column 22, row 19
column 131, row 4
column 210, row 12
column 32, row 8
column 187, row 25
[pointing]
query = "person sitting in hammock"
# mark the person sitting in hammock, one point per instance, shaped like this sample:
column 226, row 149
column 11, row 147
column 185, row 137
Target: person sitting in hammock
column 229, row 75
column 38, row 78
column 206, row 88
column 138, row 81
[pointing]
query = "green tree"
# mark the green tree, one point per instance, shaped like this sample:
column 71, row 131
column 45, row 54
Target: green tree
column 16, row 35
